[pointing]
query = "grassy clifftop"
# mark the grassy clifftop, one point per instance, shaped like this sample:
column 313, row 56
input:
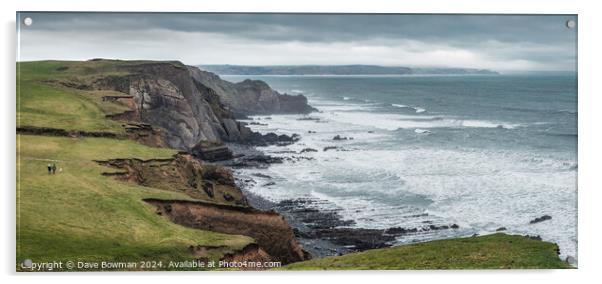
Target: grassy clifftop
column 78, row 214
column 497, row 251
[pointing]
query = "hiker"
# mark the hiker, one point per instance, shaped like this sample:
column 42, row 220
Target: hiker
column 49, row 168
column 53, row 168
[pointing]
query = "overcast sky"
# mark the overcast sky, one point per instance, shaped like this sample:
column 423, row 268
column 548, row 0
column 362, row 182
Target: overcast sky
column 503, row 43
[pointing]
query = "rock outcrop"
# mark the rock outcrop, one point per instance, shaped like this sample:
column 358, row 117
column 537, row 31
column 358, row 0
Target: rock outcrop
column 182, row 173
column 271, row 232
column 193, row 106
column 165, row 96
column 251, row 97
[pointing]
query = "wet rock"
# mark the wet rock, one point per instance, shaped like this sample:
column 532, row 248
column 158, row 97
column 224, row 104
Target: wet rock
column 312, row 217
column 540, row 219
column 309, row 118
column 330, row 148
column 311, row 131
column 258, row 139
column 454, row 226
column 339, row 137
column 270, row 183
column 500, row 229
column 400, row 231
column 253, row 161
column 295, row 159
column 262, row 175
column 211, row 151
column 308, row 150
column 356, row 239
column 258, row 123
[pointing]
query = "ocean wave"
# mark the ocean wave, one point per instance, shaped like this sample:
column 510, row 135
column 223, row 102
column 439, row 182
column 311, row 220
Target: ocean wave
column 487, row 124
column 524, row 109
column 416, row 109
column 567, row 111
column 394, row 122
column 421, row 131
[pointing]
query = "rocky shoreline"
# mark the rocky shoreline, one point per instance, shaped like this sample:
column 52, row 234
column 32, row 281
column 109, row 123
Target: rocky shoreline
column 321, row 232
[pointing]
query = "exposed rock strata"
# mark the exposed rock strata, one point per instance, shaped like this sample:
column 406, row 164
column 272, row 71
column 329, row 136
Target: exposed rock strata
column 192, row 105
column 271, row 232
column 181, row 173
column 252, row 97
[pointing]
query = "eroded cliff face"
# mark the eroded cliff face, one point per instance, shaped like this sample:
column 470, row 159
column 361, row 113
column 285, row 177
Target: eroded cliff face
column 165, row 96
column 192, row 106
column 251, row 97
column 182, row 173
column 271, row 232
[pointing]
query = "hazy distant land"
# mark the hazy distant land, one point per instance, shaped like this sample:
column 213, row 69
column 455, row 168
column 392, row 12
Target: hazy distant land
column 339, row 70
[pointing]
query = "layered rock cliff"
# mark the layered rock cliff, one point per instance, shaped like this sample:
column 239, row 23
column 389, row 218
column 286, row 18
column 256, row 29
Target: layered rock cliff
column 192, row 106
column 251, row 97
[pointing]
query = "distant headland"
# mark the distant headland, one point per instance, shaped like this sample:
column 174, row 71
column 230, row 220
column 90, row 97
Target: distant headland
column 339, row 70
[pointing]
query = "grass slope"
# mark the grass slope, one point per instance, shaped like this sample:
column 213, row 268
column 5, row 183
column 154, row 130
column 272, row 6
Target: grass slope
column 43, row 101
column 497, row 251
column 78, row 214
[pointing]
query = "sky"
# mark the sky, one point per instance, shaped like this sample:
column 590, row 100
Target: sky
column 496, row 42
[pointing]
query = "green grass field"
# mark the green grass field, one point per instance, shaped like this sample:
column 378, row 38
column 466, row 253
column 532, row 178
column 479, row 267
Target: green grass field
column 43, row 102
column 497, row 251
column 77, row 214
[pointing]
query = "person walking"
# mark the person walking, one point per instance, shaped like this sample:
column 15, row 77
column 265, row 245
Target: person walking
column 53, row 168
column 49, row 168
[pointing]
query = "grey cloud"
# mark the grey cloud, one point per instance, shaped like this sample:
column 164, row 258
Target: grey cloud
column 470, row 32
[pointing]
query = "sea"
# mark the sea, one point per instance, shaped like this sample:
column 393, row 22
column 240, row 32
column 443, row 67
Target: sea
column 485, row 152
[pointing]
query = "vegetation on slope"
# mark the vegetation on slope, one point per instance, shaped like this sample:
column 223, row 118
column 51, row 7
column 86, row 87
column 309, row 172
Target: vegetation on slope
column 496, row 251
column 77, row 214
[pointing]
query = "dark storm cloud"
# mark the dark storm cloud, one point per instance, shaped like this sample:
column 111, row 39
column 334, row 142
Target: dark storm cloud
column 325, row 27
column 543, row 40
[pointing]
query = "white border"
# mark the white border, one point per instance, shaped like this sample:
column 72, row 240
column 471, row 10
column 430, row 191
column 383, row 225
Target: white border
column 589, row 134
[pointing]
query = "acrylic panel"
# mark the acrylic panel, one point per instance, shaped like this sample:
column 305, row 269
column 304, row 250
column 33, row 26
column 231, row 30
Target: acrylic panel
column 267, row 141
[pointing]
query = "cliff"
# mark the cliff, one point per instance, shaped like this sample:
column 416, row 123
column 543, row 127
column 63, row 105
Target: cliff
column 92, row 110
column 251, row 97
column 190, row 106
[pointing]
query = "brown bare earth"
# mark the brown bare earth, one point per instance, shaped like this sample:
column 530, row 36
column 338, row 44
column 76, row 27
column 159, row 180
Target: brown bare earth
column 143, row 133
column 272, row 233
column 181, row 173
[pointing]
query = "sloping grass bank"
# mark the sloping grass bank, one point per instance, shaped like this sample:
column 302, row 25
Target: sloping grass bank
column 78, row 214
column 497, row 251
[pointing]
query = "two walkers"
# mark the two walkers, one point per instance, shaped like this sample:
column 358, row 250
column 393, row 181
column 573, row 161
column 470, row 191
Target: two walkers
column 51, row 168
